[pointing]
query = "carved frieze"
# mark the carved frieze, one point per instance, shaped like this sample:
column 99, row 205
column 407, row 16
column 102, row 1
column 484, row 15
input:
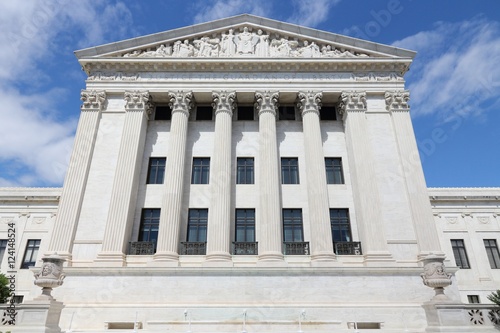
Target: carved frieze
column 224, row 101
column 92, row 99
column 352, row 101
column 244, row 43
column 309, row 101
column 397, row 100
column 266, row 101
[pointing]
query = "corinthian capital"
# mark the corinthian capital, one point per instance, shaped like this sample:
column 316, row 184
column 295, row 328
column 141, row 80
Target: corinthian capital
column 352, row 101
column 397, row 100
column 181, row 101
column 266, row 101
column 138, row 100
column 92, row 99
column 224, row 101
column 309, row 101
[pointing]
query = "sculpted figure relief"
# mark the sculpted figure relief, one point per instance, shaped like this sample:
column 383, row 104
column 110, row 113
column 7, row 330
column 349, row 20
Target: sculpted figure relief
column 244, row 43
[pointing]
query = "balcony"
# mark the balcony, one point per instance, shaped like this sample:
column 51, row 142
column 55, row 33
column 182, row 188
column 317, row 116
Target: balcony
column 193, row 248
column 296, row 248
column 142, row 248
column 347, row 248
column 245, row 248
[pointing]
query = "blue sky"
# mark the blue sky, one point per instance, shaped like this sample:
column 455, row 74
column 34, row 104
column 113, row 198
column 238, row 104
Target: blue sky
column 454, row 80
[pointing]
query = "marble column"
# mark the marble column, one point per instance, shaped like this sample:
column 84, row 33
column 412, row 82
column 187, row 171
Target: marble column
column 181, row 103
column 353, row 107
column 269, row 212
column 219, row 213
column 423, row 219
column 73, row 191
column 309, row 104
column 125, row 184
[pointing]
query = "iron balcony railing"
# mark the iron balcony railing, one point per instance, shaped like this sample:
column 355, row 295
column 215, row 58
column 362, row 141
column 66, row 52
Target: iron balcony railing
column 245, row 248
column 296, row 248
column 194, row 248
column 347, row 248
column 142, row 248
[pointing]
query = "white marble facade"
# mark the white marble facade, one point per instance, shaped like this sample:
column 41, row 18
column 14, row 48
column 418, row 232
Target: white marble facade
column 251, row 63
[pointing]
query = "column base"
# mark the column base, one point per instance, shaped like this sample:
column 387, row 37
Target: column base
column 219, row 256
column 110, row 259
column 271, row 259
column 323, row 256
column 166, row 256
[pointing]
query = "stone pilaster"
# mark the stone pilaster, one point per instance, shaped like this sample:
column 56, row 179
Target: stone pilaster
column 269, row 213
column 309, row 103
column 181, row 104
column 423, row 220
column 125, row 183
column 73, row 191
column 219, row 213
column 352, row 105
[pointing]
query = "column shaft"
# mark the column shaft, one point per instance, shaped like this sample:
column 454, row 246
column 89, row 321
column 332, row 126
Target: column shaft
column 317, row 191
column 73, row 191
column 125, row 184
column 423, row 220
column 181, row 104
column 366, row 196
column 269, row 222
column 219, row 214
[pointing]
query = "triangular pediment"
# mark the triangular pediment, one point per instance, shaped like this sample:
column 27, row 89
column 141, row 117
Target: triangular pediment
column 244, row 36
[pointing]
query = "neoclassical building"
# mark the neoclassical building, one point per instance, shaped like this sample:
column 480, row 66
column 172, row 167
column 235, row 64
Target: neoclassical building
column 252, row 175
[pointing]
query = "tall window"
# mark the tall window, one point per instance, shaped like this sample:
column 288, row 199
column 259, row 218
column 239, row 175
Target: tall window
column 492, row 252
column 3, row 247
column 460, row 254
column 31, row 253
column 156, row 170
column 245, row 171
column 289, row 171
column 201, row 171
column 245, row 225
column 197, row 225
column 292, row 225
column 334, row 173
column 341, row 227
column 150, row 221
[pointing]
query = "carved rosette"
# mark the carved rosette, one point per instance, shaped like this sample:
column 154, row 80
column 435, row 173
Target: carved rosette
column 92, row 100
column 181, row 101
column 50, row 276
column 138, row 101
column 397, row 100
column 435, row 275
column 224, row 101
column 266, row 101
column 352, row 101
column 309, row 101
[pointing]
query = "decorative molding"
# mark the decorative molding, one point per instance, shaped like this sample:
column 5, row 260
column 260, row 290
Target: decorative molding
column 244, row 43
column 352, row 101
column 267, row 101
column 309, row 101
column 92, row 100
column 483, row 219
column 224, row 101
column 38, row 220
column 181, row 101
column 397, row 100
column 451, row 220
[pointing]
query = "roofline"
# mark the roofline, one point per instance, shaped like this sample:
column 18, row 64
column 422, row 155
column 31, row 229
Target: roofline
column 237, row 20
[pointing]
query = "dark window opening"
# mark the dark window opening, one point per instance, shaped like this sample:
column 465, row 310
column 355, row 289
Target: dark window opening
column 473, row 299
column 245, row 112
column 163, row 113
column 286, row 112
column 204, row 113
column 328, row 113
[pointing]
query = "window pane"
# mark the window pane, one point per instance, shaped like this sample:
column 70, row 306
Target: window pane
column 32, row 247
column 334, row 172
column 201, row 171
column 197, row 225
column 460, row 254
column 341, row 227
column 289, row 171
column 292, row 225
column 150, row 221
column 3, row 247
column 492, row 252
column 156, row 170
column 245, row 225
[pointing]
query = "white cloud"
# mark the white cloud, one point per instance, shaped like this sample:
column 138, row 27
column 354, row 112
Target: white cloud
column 454, row 72
column 35, row 135
column 311, row 12
column 217, row 9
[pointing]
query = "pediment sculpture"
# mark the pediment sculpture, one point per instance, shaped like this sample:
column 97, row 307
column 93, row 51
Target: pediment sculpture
column 244, row 44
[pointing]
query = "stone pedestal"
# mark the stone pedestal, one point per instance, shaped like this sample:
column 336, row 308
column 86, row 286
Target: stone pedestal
column 39, row 316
